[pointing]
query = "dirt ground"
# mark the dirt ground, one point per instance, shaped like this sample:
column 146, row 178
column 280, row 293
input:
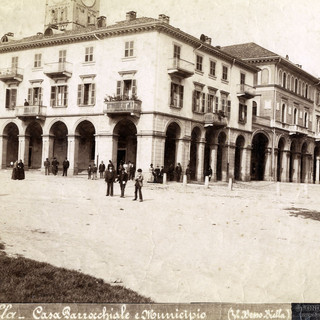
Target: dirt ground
column 257, row 243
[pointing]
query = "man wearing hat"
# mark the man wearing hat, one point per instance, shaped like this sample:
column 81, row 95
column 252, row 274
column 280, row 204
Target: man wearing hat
column 138, row 185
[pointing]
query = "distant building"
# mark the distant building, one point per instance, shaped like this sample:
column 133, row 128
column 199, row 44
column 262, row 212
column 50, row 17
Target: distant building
column 144, row 91
column 286, row 117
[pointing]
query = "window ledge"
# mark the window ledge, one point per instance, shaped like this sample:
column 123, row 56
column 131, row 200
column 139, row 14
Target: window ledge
column 88, row 63
column 212, row 77
column 59, row 107
column 175, row 107
column 198, row 112
column 242, row 121
column 199, row 72
column 129, row 58
column 86, row 105
column 37, row 68
column 225, row 81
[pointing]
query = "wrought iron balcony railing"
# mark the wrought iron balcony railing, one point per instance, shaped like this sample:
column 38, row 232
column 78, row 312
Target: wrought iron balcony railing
column 32, row 111
column 180, row 68
column 58, row 69
column 246, row 91
column 11, row 74
column 123, row 107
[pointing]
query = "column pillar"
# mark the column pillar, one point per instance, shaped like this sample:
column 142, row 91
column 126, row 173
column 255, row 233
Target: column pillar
column 186, row 154
column 213, row 157
column 200, row 160
column 317, row 175
column 144, row 151
column 3, row 151
column 246, row 164
column 296, row 167
column 47, row 148
column 285, row 164
column 267, row 168
column 224, row 164
column 274, row 169
column 23, row 153
column 231, row 158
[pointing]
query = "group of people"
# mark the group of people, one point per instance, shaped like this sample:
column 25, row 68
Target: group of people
column 111, row 176
column 53, row 167
column 17, row 170
column 173, row 173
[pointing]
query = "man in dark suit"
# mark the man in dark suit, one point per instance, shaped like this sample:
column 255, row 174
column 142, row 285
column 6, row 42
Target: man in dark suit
column 65, row 165
column 122, row 178
column 110, row 177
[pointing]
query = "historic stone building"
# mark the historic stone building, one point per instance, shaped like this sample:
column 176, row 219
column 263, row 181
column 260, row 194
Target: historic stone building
column 285, row 124
column 144, row 91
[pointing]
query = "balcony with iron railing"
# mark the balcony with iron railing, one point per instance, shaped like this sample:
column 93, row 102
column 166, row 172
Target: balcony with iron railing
column 58, row 69
column 31, row 112
column 246, row 91
column 297, row 130
column 11, row 74
column 121, row 106
column 215, row 119
column 181, row 68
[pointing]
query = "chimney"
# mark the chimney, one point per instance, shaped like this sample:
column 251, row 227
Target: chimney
column 39, row 34
column 101, row 21
column 131, row 15
column 208, row 40
column 287, row 57
column 164, row 18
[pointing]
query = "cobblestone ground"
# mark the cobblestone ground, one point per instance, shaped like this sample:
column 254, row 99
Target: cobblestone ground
column 256, row 243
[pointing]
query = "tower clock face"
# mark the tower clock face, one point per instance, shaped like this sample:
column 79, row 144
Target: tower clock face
column 88, row 3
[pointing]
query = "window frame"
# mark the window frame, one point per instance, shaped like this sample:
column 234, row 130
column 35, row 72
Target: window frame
column 179, row 95
column 54, row 101
column 37, row 63
column 88, row 56
column 225, row 75
column 199, row 63
column 129, row 49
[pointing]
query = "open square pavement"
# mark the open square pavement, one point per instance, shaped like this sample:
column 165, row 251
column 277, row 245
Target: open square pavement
column 256, row 243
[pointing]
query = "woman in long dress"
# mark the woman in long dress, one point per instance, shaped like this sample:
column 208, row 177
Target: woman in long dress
column 14, row 175
column 20, row 168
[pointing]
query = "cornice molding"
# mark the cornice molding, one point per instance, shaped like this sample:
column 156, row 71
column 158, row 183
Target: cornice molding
column 102, row 33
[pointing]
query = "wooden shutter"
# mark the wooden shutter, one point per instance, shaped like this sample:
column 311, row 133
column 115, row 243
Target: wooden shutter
column 118, row 88
column 134, row 88
column 93, row 93
column 80, row 93
column 13, row 97
column 40, row 96
column 65, row 96
column 217, row 104
column 194, row 103
column 53, row 96
column 30, row 98
column 172, row 95
column 229, row 108
column 203, row 102
column 7, row 98
column 245, row 113
column 181, row 96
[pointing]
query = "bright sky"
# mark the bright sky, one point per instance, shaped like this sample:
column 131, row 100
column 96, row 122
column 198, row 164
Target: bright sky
column 282, row 26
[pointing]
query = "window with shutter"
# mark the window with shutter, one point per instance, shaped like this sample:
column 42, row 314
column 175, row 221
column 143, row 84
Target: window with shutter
column 93, row 94
column 203, row 102
column 181, row 96
column 53, row 96
column 30, row 96
column 217, row 105
column 229, row 108
column 80, row 93
column 118, row 88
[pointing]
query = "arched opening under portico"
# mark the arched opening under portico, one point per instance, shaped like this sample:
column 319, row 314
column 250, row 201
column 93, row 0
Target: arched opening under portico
column 258, row 156
column 10, row 144
column 34, row 152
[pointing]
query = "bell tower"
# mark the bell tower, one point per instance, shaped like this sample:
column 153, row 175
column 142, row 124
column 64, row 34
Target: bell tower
column 71, row 14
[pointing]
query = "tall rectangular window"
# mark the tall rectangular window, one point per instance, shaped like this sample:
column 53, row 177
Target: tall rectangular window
column 212, row 71
column 242, row 78
column 88, row 54
column 59, row 96
column 62, row 55
column 198, row 101
column 224, row 73
column 86, row 94
column 242, row 113
column 127, row 89
column 11, row 98
column 37, row 60
column 176, row 51
column 14, row 62
column 199, row 63
column 35, row 96
column 129, row 49
column 176, row 96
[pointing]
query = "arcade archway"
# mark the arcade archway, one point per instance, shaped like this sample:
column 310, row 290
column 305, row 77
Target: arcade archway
column 170, row 150
column 195, row 138
column 10, row 144
column 221, row 157
column 34, row 151
column 258, row 156
column 238, row 159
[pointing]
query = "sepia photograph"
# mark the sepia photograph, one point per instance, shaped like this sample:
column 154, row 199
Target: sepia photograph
column 160, row 153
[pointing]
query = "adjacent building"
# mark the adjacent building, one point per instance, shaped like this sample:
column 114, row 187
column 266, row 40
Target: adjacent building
column 144, row 91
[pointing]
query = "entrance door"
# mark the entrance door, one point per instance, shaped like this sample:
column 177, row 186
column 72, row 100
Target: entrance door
column 121, row 156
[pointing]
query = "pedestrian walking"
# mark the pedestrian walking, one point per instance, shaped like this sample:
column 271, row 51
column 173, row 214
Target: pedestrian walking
column 14, row 175
column 55, row 166
column 102, row 169
column 132, row 170
column 110, row 165
column 138, row 185
column 94, row 172
column 46, row 165
column 110, row 178
column 89, row 170
column 178, row 171
column 20, row 170
column 65, row 165
column 122, row 178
